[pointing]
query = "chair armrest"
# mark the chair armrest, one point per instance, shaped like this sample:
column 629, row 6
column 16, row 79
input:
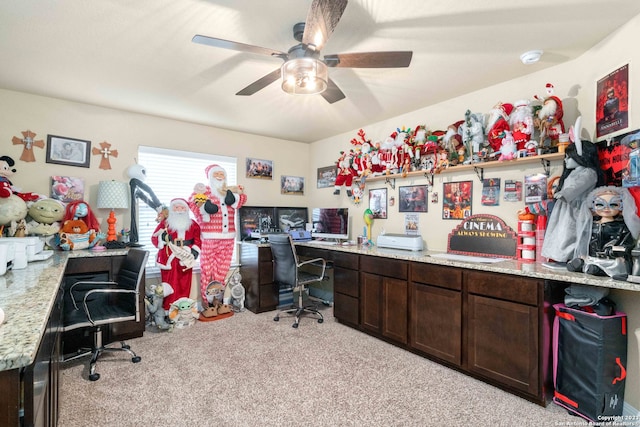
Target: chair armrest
column 318, row 262
column 103, row 291
column 80, row 288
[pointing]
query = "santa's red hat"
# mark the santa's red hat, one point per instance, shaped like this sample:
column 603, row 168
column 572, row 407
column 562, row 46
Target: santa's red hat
column 507, row 108
column 214, row 168
column 179, row 201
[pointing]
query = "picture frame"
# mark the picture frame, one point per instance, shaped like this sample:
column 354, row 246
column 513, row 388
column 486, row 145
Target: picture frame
column 457, row 199
column 62, row 150
column 259, row 168
column 292, row 185
column 413, row 198
column 612, row 103
column 67, row 188
column 378, row 202
column 326, row 176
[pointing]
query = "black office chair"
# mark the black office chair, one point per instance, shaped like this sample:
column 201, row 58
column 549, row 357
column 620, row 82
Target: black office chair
column 93, row 304
column 287, row 274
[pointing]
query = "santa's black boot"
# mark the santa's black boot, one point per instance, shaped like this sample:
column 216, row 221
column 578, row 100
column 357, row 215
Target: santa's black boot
column 349, row 193
column 336, row 191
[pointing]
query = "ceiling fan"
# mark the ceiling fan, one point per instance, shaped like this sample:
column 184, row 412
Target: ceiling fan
column 303, row 72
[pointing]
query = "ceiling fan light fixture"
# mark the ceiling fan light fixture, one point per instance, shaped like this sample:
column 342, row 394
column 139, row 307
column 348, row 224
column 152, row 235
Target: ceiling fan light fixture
column 304, row 76
column 531, row 57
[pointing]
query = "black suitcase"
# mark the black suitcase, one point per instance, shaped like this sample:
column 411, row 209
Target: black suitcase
column 589, row 362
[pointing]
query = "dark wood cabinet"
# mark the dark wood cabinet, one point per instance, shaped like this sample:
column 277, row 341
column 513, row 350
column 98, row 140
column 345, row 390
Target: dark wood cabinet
column 384, row 297
column 504, row 328
column 436, row 311
column 346, row 288
column 261, row 294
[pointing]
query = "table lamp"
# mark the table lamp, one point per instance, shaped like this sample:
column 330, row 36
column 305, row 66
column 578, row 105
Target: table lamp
column 112, row 195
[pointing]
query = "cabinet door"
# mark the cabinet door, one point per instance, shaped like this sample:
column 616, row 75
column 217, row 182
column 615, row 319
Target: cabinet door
column 436, row 322
column 346, row 296
column 394, row 309
column 503, row 342
column 370, row 302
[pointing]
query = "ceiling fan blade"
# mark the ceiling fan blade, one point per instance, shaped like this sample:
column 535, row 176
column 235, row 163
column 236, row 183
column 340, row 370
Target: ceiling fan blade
column 227, row 44
column 332, row 93
column 322, row 19
column 395, row 59
column 261, row 83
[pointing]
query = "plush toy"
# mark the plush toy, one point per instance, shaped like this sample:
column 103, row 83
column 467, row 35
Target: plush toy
column 75, row 234
column 549, row 119
column 508, row 148
column 521, row 122
column 153, row 303
column 80, row 209
column 183, row 312
column 12, row 210
column 44, row 216
column 6, row 170
column 497, row 124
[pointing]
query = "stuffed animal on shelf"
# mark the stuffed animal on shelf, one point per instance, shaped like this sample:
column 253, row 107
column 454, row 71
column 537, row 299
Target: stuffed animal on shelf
column 6, row 170
column 75, row 234
column 44, row 217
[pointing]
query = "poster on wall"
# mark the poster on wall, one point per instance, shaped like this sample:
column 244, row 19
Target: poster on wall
column 411, row 224
column 490, row 192
column 292, row 185
column 615, row 159
column 612, row 102
column 327, row 176
column 535, row 188
column 259, row 168
column 512, row 190
column 457, row 197
column 67, row 188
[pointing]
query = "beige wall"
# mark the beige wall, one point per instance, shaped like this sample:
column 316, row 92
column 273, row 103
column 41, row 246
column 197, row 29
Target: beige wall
column 575, row 84
column 126, row 131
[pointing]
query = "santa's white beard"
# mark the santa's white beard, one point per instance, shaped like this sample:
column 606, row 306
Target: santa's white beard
column 494, row 116
column 219, row 185
column 520, row 115
column 179, row 221
column 548, row 109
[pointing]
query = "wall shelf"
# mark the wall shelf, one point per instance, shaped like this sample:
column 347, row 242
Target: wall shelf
column 544, row 159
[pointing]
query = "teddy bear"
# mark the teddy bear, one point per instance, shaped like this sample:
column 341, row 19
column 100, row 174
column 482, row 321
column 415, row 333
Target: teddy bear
column 74, row 234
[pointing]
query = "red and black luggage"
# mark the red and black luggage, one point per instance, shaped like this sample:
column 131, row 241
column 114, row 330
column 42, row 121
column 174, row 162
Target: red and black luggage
column 589, row 362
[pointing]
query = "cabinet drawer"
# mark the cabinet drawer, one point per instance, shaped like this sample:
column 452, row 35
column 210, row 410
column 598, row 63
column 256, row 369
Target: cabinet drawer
column 436, row 275
column 88, row 265
column 265, row 273
column 304, row 251
column 384, row 267
column 346, row 282
column 346, row 309
column 512, row 288
column 342, row 259
column 264, row 254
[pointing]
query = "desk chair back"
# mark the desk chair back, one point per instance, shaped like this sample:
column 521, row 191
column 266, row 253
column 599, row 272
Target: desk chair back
column 285, row 260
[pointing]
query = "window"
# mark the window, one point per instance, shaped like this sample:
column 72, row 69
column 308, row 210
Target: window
column 171, row 174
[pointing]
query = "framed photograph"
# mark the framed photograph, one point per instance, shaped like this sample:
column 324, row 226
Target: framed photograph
column 327, row 176
column 67, row 188
column 68, row 151
column 413, row 198
column 456, row 199
column 378, row 202
column 258, row 168
column 293, row 185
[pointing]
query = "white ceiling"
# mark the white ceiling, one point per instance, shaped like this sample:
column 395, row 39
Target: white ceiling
column 137, row 55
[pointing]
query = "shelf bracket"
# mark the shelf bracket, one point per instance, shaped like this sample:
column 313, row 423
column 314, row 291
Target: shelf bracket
column 546, row 165
column 391, row 182
column 479, row 172
column 429, row 176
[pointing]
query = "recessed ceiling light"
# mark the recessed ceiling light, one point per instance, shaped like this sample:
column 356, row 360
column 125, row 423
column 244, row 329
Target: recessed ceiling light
column 531, row 57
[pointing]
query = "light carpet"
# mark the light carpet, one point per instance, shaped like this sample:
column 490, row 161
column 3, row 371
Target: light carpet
column 248, row 370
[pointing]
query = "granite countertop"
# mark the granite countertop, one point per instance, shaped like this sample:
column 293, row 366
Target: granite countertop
column 27, row 296
column 509, row 266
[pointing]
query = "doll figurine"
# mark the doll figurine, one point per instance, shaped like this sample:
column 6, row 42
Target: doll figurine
column 580, row 175
column 608, row 228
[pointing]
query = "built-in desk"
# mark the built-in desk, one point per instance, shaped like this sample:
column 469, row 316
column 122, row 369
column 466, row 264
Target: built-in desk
column 30, row 339
column 489, row 320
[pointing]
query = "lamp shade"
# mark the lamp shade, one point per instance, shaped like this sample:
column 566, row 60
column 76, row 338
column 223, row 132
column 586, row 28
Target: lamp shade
column 113, row 195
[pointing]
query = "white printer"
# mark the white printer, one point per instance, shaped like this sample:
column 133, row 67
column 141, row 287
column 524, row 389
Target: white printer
column 409, row 242
column 22, row 250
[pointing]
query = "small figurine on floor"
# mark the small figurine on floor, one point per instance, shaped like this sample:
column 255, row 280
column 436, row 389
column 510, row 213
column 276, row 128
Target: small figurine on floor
column 609, row 227
column 153, row 303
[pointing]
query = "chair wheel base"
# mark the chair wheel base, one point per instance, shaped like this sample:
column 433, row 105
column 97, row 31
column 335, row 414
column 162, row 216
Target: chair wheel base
column 136, row 359
column 294, row 326
column 275, row 319
column 94, row 377
column 320, row 320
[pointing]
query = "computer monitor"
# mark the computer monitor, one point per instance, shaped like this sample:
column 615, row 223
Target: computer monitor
column 330, row 223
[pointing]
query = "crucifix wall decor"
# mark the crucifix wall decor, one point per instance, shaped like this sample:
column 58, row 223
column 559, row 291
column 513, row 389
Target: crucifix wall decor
column 28, row 142
column 105, row 151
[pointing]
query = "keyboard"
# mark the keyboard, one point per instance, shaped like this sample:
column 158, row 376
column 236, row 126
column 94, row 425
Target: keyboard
column 324, row 242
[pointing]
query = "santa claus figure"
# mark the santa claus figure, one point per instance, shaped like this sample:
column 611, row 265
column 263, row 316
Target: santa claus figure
column 549, row 119
column 177, row 238
column 497, row 124
column 346, row 172
column 521, row 121
column 214, row 207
